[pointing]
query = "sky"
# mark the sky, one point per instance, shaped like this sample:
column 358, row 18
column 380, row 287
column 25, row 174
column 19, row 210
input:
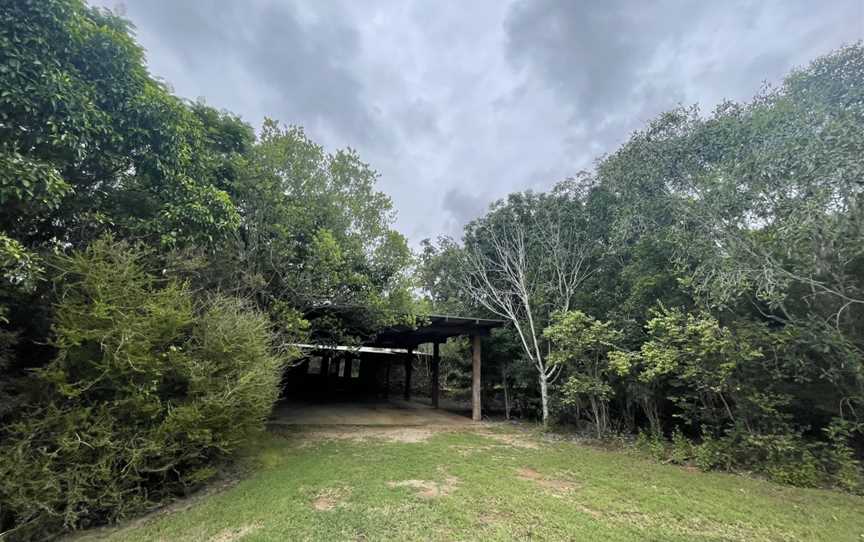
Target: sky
column 458, row 103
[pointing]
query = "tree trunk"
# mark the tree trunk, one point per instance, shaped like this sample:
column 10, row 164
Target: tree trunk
column 506, row 393
column 652, row 412
column 544, row 397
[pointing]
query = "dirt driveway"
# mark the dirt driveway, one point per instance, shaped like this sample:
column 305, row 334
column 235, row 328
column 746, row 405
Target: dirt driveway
column 378, row 413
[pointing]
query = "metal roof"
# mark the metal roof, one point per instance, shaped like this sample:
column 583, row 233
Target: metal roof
column 356, row 349
column 433, row 328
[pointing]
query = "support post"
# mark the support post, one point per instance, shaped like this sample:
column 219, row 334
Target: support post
column 325, row 369
column 387, row 380
column 436, row 359
column 475, row 380
column 408, row 366
column 349, row 361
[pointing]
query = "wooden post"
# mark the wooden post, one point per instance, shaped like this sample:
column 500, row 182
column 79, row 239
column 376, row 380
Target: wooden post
column 435, row 374
column 475, row 380
column 325, row 369
column 349, row 361
column 408, row 366
column 387, row 380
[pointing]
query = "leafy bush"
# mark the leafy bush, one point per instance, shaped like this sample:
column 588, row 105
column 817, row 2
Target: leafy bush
column 681, row 451
column 149, row 390
column 803, row 471
column 713, row 454
column 786, row 458
column 582, row 344
column 652, row 444
column 839, row 457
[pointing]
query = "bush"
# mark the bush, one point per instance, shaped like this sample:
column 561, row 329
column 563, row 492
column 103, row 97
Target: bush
column 681, row 451
column 802, row 470
column 147, row 393
column 839, row 457
column 786, row 458
column 652, row 444
column 713, row 454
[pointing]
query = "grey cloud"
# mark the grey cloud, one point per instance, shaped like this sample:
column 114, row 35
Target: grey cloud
column 269, row 55
column 617, row 64
column 590, row 52
column 458, row 104
column 464, row 206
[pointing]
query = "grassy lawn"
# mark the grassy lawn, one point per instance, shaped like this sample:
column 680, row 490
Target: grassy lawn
column 492, row 483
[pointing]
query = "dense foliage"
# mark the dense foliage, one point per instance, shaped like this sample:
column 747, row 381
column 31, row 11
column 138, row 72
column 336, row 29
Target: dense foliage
column 147, row 390
column 89, row 141
column 313, row 232
column 158, row 259
column 525, row 260
column 725, row 287
column 702, row 288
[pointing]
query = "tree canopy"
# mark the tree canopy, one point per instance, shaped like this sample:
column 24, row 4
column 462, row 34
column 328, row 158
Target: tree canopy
column 702, row 286
column 724, row 276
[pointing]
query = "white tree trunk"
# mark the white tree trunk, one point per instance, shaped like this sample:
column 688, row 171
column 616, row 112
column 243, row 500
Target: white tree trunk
column 544, row 397
column 508, row 279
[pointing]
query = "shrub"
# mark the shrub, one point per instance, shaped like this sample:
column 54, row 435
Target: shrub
column 147, row 393
column 801, row 470
column 652, row 444
column 681, row 451
column 839, row 457
column 786, row 457
column 713, row 454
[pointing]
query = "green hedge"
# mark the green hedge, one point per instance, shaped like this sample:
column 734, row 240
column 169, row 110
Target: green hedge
column 148, row 392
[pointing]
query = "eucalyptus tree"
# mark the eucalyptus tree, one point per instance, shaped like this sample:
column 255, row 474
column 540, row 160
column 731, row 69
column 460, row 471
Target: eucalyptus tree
column 525, row 260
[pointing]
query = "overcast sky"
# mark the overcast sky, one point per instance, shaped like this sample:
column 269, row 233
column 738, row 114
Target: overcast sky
column 457, row 103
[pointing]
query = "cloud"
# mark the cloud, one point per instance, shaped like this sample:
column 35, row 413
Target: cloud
column 261, row 59
column 463, row 206
column 457, row 104
column 618, row 63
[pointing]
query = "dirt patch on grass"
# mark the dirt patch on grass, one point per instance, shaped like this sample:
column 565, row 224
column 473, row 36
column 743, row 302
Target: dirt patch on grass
column 310, row 434
column 410, row 435
column 513, row 439
column 558, row 486
column 235, row 533
column 329, row 498
column 427, row 489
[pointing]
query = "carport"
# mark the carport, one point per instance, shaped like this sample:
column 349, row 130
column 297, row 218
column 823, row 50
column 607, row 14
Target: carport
column 355, row 374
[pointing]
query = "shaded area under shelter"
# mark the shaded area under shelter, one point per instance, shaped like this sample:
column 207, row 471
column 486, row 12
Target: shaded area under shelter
column 332, row 374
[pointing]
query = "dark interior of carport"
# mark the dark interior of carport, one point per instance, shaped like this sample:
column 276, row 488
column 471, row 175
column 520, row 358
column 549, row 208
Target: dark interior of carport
column 351, row 373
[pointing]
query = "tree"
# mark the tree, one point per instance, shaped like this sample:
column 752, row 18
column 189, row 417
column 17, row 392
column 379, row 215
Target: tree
column 437, row 272
column 314, row 233
column 525, row 260
column 90, row 142
column 756, row 209
column 583, row 344
column 704, row 361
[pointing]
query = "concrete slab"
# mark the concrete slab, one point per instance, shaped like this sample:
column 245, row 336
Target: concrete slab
column 380, row 413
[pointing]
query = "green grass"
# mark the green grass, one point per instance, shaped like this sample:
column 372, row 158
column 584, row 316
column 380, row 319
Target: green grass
column 484, row 492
